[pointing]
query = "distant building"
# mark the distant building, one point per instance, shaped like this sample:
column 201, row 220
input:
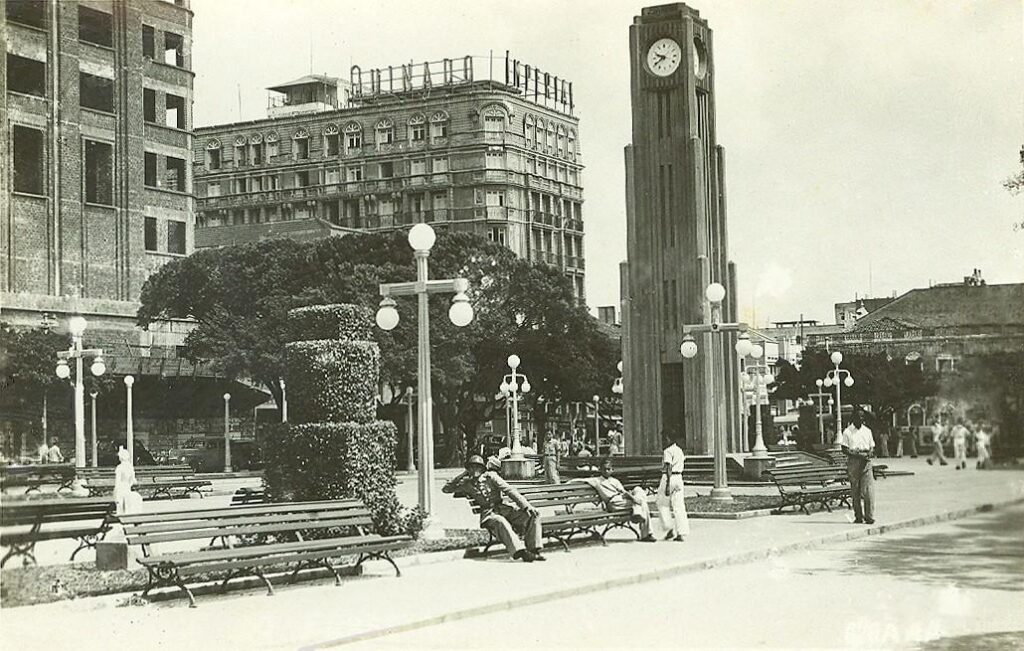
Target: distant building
column 432, row 142
column 850, row 312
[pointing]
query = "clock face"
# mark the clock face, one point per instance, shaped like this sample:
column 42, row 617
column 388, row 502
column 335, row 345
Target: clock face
column 664, row 57
column 700, row 59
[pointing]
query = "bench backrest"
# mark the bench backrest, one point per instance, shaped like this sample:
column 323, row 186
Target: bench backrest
column 42, row 470
column 54, row 510
column 248, row 496
column 555, row 495
column 812, row 474
column 140, row 471
column 277, row 518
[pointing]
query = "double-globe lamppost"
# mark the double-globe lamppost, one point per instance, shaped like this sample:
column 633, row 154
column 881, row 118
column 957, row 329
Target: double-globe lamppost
column 76, row 326
column 820, row 395
column 715, row 294
column 513, row 385
column 838, row 377
column 757, row 376
column 421, row 239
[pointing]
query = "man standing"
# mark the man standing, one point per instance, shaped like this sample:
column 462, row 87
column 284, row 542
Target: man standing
column 959, row 445
column 908, row 442
column 981, row 442
column 486, row 488
column 671, row 506
column 615, row 496
column 551, row 460
column 858, row 442
column 938, row 438
column 53, row 455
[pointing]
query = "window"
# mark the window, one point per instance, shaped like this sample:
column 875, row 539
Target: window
column 385, row 132
column 332, row 176
column 572, row 145
column 561, row 141
column 272, row 147
column 26, row 75
column 302, row 179
column 418, row 167
column 176, row 237
column 332, row 144
column 151, row 244
column 95, row 27
column 175, row 175
column 495, row 158
column 498, row 235
column 354, row 173
column 148, row 42
column 240, row 157
column 353, row 136
column 27, row 12
column 418, row 128
column 99, row 173
column 175, row 111
column 439, row 202
column 387, row 170
column 28, row 160
column 301, row 147
column 150, row 173
column 530, row 131
column 944, row 364
column 239, row 185
column 149, row 105
column 495, row 198
column 95, row 93
column 213, row 189
column 174, row 49
column 438, row 126
column 257, row 153
column 213, row 157
column 440, row 165
column 494, row 121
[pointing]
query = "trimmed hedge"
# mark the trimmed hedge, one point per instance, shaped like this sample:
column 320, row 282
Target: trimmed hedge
column 326, row 461
column 332, row 381
column 341, row 321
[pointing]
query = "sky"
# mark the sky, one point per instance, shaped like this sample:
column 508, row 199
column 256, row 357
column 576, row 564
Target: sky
column 866, row 141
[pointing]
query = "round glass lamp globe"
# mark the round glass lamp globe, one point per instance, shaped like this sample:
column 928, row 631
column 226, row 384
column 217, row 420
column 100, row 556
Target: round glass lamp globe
column 837, row 357
column 513, row 361
column 227, row 396
column 756, row 350
column 818, row 382
column 63, row 371
column 715, row 292
column 688, row 349
column 769, row 378
column 461, row 313
column 76, row 325
column 743, row 346
column 422, row 237
column 98, row 368
column 504, row 388
column 849, row 381
column 387, row 318
column 129, row 380
column 828, row 382
column 619, row 366
column 526, row 386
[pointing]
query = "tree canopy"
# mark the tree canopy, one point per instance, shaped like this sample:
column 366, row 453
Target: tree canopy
column 239, row 297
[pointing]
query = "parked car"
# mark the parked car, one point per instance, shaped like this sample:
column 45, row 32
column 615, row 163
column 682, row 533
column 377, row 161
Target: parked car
column 107, row 454
column 207, row 455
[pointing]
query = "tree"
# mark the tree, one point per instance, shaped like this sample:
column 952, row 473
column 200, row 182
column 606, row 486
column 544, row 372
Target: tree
column 27, row 361
column 1015, row 185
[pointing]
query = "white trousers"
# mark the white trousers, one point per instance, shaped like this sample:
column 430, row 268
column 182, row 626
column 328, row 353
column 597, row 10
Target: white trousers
column 959, row 452
column 672, row 508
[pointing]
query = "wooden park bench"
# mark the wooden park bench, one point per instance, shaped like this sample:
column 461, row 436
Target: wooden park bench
column 560, row 519
column 878, row 470
column 25, row 522
column 245, row 496
column 244, row 540
column 157, row 481
column 34, row 477
column 801, row 486
column 632, row 471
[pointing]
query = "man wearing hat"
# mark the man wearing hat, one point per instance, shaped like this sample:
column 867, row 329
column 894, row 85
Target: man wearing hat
column 485, row 488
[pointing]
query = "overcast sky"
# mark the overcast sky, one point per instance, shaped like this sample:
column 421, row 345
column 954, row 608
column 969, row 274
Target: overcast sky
column 866, row 141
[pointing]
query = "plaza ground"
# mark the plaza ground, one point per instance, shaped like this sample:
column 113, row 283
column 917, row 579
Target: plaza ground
column 801, row 573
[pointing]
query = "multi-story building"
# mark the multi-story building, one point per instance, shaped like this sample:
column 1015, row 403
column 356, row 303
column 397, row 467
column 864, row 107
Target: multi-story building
column 392, row 147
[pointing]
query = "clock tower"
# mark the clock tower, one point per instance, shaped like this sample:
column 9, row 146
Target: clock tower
column 676, row 237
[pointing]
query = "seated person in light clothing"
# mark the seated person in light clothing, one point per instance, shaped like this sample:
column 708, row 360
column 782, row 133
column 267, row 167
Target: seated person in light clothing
column 615, row 497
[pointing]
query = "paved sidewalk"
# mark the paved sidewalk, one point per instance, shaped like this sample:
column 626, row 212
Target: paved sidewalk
column 321, row 614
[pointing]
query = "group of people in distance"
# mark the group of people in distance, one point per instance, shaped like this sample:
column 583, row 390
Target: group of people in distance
column 516, row 522
column 961, row 434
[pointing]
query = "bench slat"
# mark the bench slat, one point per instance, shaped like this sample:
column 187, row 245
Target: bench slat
column 244, row 510
column 217, row 529
column 255, row 551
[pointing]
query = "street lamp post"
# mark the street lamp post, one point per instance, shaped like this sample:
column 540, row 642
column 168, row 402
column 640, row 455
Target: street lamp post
column 759, row 377
column 95, row 461
column 421, row 239
column 227, row 435
column 76, row 326
column 597, row 425
column 513, row 385
column 618, row 389
column 128, row 382
column 820, row 395
column 836, row 377
column 284, row 401
column 715, row 294
column 410, row 426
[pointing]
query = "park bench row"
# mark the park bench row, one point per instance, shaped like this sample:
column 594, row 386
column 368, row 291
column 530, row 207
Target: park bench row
column 155, row 481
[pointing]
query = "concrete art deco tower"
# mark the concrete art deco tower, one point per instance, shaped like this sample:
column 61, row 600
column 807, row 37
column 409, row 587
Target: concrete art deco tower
column 676, row 236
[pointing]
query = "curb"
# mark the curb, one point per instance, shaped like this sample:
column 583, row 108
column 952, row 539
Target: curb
column 665, row 573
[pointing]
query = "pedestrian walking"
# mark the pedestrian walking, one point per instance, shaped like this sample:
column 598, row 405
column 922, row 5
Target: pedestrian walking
column 858, row 443
column 959, row 435
column 551, row 460
column 908, row 442
column 982, row 441
column 671, row 505
column 938, row 439
column 882, row 448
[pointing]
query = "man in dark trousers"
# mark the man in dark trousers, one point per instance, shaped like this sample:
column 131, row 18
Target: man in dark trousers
column 486, row 489
column 858, row 443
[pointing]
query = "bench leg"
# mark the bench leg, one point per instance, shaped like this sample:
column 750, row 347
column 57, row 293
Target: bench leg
column 384, row 556
column 167, row 575
column 85, row 542
column 25, row 551
column 560, row 539
column 270, row 588
column 622, row 525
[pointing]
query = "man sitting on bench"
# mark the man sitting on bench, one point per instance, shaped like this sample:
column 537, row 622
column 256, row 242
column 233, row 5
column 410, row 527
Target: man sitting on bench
column 486, row 488
column 615, row 496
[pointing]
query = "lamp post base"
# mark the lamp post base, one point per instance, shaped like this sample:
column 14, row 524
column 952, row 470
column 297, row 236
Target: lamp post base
column 517, row 467
column 721, row 494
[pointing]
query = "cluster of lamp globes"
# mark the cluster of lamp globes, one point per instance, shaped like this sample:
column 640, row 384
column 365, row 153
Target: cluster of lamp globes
column 508, row 388
column 421, row 239
column 715, row 293
column 76, row 326
column 829, row 381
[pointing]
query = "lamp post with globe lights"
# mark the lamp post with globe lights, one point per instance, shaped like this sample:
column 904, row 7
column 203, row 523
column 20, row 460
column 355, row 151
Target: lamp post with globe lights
column 227, row 432
column 513, row 385
column 820, row 395
column 284, row 400
column 837, row 377
column 76, row 326
column 758, row 377
column 715, row 294
column 130, row 429
column 95, row 459
column 421, row 239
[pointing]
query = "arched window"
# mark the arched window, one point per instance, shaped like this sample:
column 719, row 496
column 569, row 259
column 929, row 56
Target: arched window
column 332, row 140
column 300, row 144
column 213, row 151
column 542, row 130
column 530, row 131
column 385, row 131
column 272, row 144
column 256, row 148
column 572, row 144
column 439, row 126
column 561, row 141
column 240, row 151
column 494, row 119
column 353, row 136
column 550, row 142
column 417, row 127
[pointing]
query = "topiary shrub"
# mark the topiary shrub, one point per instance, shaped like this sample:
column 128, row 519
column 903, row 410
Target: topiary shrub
column 333, row 448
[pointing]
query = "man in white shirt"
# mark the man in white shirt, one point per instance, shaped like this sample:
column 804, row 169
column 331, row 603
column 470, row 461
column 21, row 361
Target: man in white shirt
column 615, row 496
column 959, row 445
column 671, row 506
column 981, row 442
column 858, row 442
column 938, row 438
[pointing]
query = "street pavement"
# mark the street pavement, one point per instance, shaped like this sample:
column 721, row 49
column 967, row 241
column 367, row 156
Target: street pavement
column 443, row 587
